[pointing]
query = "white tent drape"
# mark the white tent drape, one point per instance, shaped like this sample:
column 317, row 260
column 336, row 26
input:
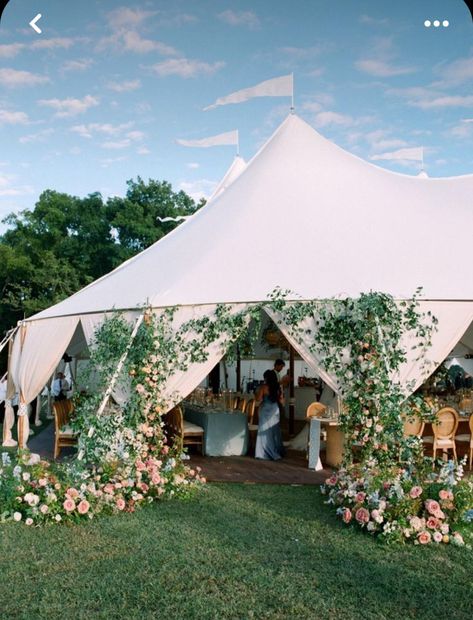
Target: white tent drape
column 37, row 350
column 311, row 358
column 454, row 318
column 181, row 383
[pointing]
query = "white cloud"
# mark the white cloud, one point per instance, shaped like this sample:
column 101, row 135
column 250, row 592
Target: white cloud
column 52, row 44
column 202, row 188
column 456, row 72
column 39, row 136
column 127, row 140
column 133, row 42
column 8, row 186
column 240, row 18
column 186, row 67
column 410, row 156
column 193, row 165
column 444, row 101
column 8, row 117
column 124, row 87
column 143, row 150
column 125, row 17
column 11, row 50
column 12, row 78
column 80, row 64
column 109, row 161
column 70, row 107
column 87, row 131
column 322, row 119
column 382, row 68
column 373, row 21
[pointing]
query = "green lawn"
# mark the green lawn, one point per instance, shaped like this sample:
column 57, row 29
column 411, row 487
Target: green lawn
column 234, row 551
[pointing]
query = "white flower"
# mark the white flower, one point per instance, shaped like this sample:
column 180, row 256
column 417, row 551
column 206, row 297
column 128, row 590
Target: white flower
column 29, row 521
column 26, row 476
column 17, row 516
column 43, row 509
column 17, row 471
column 58, row 518
column 51, row 497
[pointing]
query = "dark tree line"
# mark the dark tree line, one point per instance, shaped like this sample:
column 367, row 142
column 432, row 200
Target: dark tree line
column 66, row 242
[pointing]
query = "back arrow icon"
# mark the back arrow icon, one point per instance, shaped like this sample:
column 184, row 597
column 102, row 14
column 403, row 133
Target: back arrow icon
column 33, row 23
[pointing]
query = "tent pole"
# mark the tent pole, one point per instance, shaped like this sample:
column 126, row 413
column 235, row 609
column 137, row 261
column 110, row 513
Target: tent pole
column 9, row 421
column 238, row 370
column 292, row 400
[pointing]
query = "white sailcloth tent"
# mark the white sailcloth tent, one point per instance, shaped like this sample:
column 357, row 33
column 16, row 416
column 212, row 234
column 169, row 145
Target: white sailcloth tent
column 346, row 225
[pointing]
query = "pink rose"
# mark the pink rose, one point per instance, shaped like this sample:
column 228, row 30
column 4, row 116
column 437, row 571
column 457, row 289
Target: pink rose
column 432, row 523
column 446, row 494
column 72, row 493
column 109, row 489
column 415, row 492
column 120, row 503
column 360, row 497
column 155, row 479
column 143, row 486
column 140, row 466
column 332, row 481
column 42, row 482
column 165, row 449
column 83, row 507
column 415, row 523
column 444, row 528
column 362, row 515
column 69, row 505
column 438, row 537
column 432, row 506
column 424, row 537
column 346, row 515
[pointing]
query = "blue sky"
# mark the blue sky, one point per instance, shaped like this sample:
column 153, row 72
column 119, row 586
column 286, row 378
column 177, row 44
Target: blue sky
column 103, row 93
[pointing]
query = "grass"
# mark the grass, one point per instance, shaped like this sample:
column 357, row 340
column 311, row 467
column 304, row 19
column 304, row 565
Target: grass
column 233, row 551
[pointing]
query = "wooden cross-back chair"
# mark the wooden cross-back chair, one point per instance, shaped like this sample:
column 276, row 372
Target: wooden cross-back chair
column 64, row 435
column 182, row 431
column 413, row 425
column 315, row 410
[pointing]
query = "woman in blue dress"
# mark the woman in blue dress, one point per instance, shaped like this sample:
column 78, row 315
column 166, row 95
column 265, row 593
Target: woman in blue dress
column 269, row 439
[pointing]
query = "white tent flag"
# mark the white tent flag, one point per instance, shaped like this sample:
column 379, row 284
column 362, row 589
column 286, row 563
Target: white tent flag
column 222, row 139
column 410, row 154
column 277, row 87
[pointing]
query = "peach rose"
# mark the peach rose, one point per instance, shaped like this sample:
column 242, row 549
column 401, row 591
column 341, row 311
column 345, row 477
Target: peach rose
column 424, row 537
column 120, row 503
column 347, row 515
column 360, row 497
column 72, row 493
column 446, row 494
column 415, row 492
column 69, row 505
column 362, row 515
column 83, row 507
column 432, row 523
column 332, row 481
column 432, row 506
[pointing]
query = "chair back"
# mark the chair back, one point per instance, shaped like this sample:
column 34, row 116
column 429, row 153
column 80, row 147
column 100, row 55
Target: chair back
column 237, row 401
column 471, row 425
column 62, row 412
column 446, row 425
column 466, row 404
column 250, row 410
column 174, row 424
column 315, row 410
column 413, row 425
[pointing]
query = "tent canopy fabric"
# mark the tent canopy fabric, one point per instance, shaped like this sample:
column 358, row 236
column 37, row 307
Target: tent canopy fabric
column 347, row 226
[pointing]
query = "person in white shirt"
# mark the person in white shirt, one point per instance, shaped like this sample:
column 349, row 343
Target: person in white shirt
column 59, row 387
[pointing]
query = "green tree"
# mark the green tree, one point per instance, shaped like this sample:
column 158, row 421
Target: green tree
column 66, row 242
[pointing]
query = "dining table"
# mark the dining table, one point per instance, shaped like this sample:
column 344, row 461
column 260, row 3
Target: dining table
column 225, row 431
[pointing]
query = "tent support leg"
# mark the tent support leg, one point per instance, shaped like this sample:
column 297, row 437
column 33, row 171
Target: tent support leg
column 292, row 400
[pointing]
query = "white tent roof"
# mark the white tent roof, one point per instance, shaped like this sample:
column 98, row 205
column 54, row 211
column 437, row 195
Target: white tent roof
column 310, row 217
column 237, row 167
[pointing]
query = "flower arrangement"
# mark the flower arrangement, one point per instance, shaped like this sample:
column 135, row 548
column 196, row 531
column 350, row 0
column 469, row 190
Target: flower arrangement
column 36, row 492
column 404, row 504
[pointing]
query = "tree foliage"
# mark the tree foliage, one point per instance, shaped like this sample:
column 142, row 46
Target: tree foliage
column 66, row 242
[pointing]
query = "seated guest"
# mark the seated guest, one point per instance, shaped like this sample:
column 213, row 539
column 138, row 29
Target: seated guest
column 269, row 439
column 59, row 387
